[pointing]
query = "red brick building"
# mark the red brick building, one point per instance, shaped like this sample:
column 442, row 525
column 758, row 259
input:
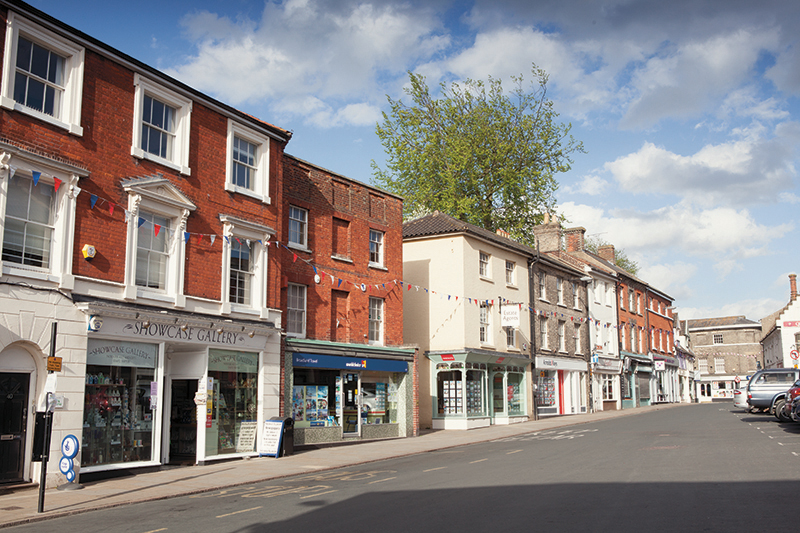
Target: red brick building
column 147, row 220
column 342, row 265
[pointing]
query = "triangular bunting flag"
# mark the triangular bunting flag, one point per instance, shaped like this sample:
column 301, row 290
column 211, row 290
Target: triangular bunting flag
column 57, row 183
column 186, row 236
column 110, row 208
column 213, row 238
column 93, row 200
column 141, row 222
column 156, row 229
column 36, row 175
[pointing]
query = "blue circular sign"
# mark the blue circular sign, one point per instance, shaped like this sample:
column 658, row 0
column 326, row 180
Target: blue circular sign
column 69, row 446
column 65, row 465
column 70, row 476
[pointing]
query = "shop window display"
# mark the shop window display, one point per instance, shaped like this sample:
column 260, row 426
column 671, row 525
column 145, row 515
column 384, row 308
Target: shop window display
column 314, row 398
column 547, row 389
column 515, row 396
column 118, row 412
column 233, row 378
column 378, row 400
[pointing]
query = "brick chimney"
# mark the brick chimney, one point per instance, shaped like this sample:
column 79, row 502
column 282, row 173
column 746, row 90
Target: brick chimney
column 548, row 235
column 575, row 239
column 792, row 287
column 608, row 253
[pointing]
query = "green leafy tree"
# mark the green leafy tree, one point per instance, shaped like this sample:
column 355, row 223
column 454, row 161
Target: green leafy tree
column 477, row 153
column 593, row 244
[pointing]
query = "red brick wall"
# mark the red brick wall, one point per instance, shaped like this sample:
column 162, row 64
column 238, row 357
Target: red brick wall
column 327, row 197
column 104, row 149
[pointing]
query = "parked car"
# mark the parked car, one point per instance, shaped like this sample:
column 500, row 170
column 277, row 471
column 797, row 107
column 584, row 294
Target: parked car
column 766, row 390
column 792, row 396
column 740, row 396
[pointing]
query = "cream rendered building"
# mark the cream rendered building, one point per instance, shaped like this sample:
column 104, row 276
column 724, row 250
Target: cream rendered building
column 466, row 307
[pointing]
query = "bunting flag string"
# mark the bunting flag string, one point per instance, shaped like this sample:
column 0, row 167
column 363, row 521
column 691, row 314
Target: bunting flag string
column 100, row 202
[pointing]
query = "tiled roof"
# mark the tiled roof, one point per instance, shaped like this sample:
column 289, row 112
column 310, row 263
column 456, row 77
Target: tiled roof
column 721, row 322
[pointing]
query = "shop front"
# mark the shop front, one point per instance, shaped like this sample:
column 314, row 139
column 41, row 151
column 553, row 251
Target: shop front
column 606, row 383
column 471, row 390
column 561, row 386
column 174, row 389
column 636, row 380
column 667, row 382
column 367, row 394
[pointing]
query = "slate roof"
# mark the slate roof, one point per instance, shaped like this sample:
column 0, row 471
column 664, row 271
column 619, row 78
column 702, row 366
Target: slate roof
column 722, row 322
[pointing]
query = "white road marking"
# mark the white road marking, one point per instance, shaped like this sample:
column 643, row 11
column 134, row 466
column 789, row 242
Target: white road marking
column 237, row 512
column 478, row 461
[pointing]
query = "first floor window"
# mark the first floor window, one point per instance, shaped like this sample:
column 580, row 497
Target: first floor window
column 510, row 272
column 609, row 390
column 376, row 247
column 39, row 81
column 296, row 310
column 543, row 332
column 152, row 251
column 562, row 342
column 578, row 347
column 511, row 340
column 719, row 365
column 484, row 322
column 483, row 264
column 158, row 127
column 702, row 365
column 29, row 222
column 298, row 220
column 375, row 321
column 241, row 271
column 244, row 163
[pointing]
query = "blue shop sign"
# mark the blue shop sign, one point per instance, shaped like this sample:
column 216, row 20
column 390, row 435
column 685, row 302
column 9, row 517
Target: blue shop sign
column 308, row 360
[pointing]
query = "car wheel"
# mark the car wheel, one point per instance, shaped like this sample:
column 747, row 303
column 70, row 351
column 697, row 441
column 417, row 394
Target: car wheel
column 779, row 411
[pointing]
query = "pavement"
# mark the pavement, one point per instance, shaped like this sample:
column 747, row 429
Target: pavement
column 20, row 505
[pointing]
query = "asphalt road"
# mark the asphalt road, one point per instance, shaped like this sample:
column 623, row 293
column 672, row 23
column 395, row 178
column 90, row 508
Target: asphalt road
column 695, row 468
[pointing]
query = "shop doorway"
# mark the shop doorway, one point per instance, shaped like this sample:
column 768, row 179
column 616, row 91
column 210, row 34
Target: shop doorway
column 183, row 423
column 498, row 395
column 351, row 392
column 13, row 422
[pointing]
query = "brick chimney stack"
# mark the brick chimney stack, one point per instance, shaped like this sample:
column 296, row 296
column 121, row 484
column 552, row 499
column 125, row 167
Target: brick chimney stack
column 792, row 287
column 575, row 239
column 608, row 253
column 548, row 235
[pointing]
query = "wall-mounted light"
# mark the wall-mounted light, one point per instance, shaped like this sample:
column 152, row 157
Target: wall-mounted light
column 251, row 334
column 184, row 327
column 146, row 324
column 219, row 331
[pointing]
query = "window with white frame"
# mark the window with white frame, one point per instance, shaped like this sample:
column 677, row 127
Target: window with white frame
column 578, row 345
column 511, row 337
column 375, row 321
column 543, row 332
column 542, row 286
column 622, row 297
column 639, row 303
column 152, row 251
column 246, row 263
column 484, row 316
column 248, row 162
column 575, row 300
column 631, row 299
column 661, row 341
column 608, row 384
column 298, row 226
column 510, row 265
column 702, row 365
column 241, row 271
column 161, row 125
column 719, row 365
column 375, row 248
column 296, row 310
column 483, row 265
column 609, row 294
column 562, row 341
column 42, row 74
column 29, row 222
column 652, row 339
column 560, row 291
column 155, row 252
column 718, row 338
column 597, row 291
column 37, row 218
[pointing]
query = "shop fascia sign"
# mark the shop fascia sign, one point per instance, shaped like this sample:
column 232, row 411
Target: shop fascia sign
column 218, row 336
column 305, row 360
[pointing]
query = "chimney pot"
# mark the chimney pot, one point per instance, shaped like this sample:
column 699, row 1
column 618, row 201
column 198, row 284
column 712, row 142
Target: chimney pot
column 792, row 287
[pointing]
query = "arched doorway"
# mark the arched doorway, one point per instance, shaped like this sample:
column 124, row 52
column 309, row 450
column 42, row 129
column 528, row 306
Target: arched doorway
column 17, row 387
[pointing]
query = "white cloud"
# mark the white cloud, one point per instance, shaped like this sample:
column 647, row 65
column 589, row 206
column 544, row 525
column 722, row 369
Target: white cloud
column 686, row 78
column 671, row 278
column 721, row 233
column 306, row 51
column 742, row 172
column 591, row 185
column 751, row 309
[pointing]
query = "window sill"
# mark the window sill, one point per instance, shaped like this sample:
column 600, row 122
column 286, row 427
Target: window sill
column 342, row 258
column 9, row 103
column 488, row 280
column 545, row 300
column 15, row 269
column 377, row 266
column 230, row 187
column 141, row 154
column 298, row 247
column 511, row 286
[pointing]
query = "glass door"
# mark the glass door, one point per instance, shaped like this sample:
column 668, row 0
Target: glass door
column 351, row 402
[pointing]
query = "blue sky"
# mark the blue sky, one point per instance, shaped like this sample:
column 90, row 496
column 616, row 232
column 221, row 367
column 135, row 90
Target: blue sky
column 688, row 109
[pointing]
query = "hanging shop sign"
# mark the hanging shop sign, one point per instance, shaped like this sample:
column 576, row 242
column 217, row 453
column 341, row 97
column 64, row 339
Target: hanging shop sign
column 509, row 316
column 348, row 363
